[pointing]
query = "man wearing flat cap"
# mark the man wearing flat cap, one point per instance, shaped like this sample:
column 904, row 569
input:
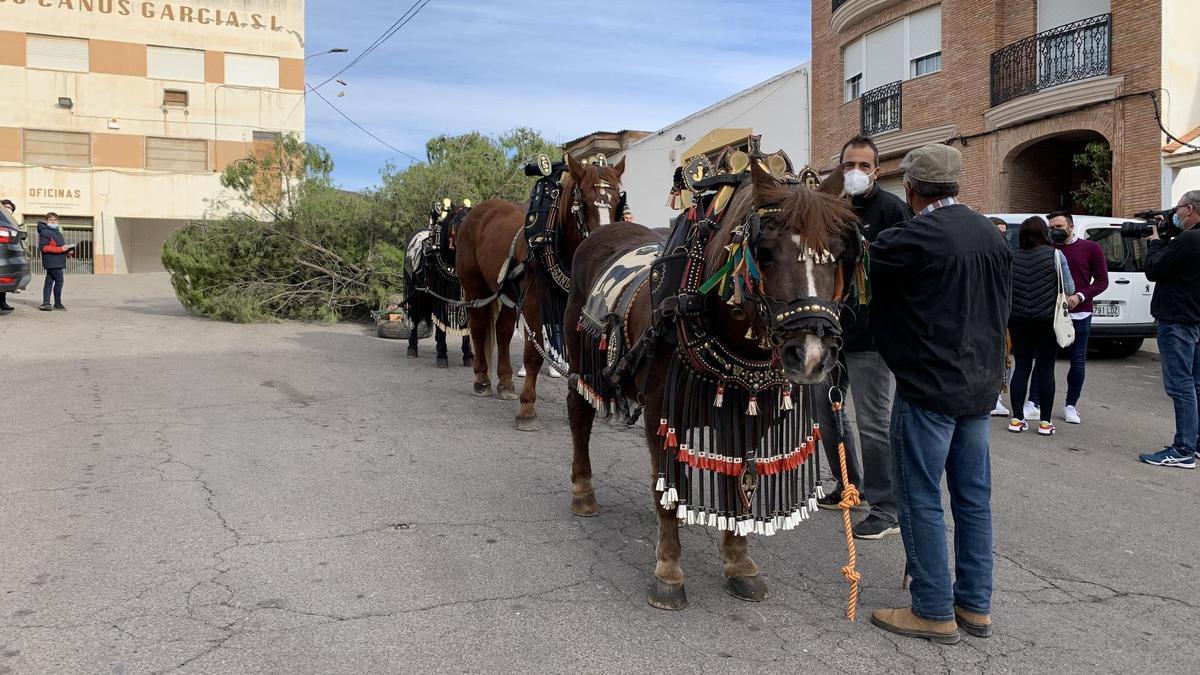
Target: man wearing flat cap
column 940, row 308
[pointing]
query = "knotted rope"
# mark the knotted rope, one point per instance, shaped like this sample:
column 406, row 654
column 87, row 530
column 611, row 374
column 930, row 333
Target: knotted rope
column 850, row 499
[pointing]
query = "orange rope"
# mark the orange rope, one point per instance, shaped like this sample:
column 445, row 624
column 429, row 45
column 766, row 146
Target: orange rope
column 850, row 499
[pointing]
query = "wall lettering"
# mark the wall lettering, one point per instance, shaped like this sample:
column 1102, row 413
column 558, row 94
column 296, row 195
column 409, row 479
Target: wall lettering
column 161, row 11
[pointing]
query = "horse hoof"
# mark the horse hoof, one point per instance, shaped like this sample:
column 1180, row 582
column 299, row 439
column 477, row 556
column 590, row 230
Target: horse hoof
column 585, row 505
column 750, row 589
column 468, row 360
column 412, row 352
column 442, row 362
column 667, row 596
column 527, row 423
column 506, row 393
column 483, row 390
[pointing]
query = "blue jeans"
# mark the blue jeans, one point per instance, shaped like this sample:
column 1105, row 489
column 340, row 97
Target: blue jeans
column 924, row 444
column 1179, row 350
column 1078, row 355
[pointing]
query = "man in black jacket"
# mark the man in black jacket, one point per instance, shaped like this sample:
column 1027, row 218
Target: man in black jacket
column 1175, row 269
column 941, row 284
column 873, row 384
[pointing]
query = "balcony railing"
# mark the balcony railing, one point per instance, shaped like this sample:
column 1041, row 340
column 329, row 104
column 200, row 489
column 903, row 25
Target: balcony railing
column 881, row 109
column 1076, row 51
column 837, row 4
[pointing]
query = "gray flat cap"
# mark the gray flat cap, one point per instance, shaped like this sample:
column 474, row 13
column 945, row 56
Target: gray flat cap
column 934, row 163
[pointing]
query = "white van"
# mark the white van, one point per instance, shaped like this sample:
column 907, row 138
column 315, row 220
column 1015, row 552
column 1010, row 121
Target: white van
column 1121, row 319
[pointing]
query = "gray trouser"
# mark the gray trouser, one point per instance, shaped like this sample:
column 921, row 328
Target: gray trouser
column 874, row 388
column 831, row 424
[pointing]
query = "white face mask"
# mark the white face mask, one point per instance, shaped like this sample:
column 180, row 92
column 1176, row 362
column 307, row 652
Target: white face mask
column 857, row 182
column 54, row 225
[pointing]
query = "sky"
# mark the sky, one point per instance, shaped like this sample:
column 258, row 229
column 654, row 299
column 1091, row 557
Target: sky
column 565, row 69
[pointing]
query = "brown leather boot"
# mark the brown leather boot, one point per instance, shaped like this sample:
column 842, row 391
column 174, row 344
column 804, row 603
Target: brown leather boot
column 979, row 625
column 903, row 622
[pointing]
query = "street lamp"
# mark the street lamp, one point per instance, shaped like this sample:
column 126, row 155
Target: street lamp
column 335, row 50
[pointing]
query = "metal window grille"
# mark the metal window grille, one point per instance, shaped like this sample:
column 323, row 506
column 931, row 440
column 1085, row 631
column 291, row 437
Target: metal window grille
column 1070, row 53
column 881, row 109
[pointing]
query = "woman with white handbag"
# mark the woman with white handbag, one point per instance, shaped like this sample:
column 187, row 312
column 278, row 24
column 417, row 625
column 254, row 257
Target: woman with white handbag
column 1041, row 284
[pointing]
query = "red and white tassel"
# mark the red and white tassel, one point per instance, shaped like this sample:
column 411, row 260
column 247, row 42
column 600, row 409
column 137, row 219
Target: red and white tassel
column 662, row 426
column 603, row 343
column 752, row 409
column 720, row 399
column 671, row 439
column 787, row 404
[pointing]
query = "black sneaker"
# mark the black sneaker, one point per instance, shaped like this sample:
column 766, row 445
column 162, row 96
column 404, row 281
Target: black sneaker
column 46, row 308
column 831, row 500
column 874, row 527
column 59, row 306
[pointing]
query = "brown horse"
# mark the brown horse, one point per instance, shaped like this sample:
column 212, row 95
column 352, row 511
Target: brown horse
column 803, row 245
column 491, row 243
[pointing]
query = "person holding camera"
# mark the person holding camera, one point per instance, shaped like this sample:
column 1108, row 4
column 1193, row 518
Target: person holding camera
column 1174, row 266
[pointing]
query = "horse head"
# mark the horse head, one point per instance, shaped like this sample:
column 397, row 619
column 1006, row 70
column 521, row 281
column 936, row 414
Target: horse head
column 790, row 255
column 595, row 193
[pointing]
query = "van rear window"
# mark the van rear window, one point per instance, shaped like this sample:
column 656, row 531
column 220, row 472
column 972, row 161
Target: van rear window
column 1123, row 255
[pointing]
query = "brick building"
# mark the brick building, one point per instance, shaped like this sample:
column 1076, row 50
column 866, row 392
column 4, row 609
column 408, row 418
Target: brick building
column 1020, row 86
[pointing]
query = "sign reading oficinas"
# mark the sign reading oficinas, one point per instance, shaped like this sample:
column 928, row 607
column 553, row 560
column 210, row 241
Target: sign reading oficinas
column 162, row 11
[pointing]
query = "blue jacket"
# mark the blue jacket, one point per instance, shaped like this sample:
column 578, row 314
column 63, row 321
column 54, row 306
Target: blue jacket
column 52, row 244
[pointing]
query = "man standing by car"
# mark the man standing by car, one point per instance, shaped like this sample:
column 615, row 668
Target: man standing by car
column 873, row 384
column 1175, row 268
column 942, row 283
column 1089, row 271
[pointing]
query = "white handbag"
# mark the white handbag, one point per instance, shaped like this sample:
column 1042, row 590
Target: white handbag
column 1064, row 328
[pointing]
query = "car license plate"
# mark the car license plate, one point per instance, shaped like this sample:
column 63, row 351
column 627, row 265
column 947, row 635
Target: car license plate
column 1109, row 310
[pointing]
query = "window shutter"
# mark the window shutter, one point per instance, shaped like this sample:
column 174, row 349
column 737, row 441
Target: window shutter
column 167, row 63
column 1055, row 13
column 925, row 32
column 176, row 154
column 57, row 148
column 885, row 56
column 252, row 71
column 175, row 98
column 57, row 53
column 852, row 59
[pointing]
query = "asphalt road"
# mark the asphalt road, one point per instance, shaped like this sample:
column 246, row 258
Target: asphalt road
column 178, row 494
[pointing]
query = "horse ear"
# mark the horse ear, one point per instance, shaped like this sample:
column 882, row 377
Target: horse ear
column 834, row 184
column 764, row 183
column 574, row 167
column 619, row 169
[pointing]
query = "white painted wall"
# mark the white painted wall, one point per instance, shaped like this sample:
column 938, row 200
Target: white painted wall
column 1181, row 80
column 778, row 110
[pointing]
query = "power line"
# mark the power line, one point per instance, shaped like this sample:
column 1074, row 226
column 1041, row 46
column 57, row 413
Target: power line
column 408, row 15
column 362, row 128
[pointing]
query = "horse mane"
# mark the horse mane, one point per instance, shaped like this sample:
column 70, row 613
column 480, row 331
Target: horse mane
column 816, row 216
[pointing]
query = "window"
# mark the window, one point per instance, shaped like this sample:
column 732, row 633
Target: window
column 56, row 148
column 900, row 50
column 1112, row 244
column 176, row 154
column 252, row 71
column 168, row 63
column 175, row 98
column 57, row 53
column 925, row 65
column 1055, row 13
column 854, row 87
column 266, row 136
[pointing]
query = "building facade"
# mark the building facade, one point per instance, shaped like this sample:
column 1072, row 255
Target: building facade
column 777, row 110
column 1019, row 86
column 119, row 115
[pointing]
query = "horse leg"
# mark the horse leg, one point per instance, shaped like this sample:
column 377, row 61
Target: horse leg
column 527, row 419
column 667, row 591
column 412, row 338
column 480, row 322
column 439, row 338
column 505, row 323
column 468, row 356
column 742, row 579
column 581, row 415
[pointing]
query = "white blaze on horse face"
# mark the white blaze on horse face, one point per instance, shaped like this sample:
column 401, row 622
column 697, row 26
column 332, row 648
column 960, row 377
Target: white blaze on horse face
column 605, row 215
column 810, row 275
column 814, row 353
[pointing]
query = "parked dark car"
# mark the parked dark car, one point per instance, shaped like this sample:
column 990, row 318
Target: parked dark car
column 14, row 263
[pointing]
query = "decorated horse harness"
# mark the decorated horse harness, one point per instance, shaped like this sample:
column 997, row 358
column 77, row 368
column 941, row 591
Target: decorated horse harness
column 438, row 256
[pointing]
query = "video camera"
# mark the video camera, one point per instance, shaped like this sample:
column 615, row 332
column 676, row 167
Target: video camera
column 1161, row 219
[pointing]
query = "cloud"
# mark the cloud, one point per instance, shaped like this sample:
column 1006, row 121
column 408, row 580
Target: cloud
column 565, row 69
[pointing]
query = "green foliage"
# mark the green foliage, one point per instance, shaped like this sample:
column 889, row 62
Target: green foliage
column 293, row 247
column 1094, row 195
column 471, row 166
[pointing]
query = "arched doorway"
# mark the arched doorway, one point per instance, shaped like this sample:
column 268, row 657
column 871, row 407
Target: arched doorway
column 1043, row 176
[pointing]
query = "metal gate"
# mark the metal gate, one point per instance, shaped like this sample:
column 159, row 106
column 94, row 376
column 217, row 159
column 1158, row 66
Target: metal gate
column 76, row 231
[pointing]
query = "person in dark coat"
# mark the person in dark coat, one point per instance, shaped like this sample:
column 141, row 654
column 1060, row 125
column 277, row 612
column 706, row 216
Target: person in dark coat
column 941, row 284
column 54, row 259
column 4, row 306
column 1036, row 280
